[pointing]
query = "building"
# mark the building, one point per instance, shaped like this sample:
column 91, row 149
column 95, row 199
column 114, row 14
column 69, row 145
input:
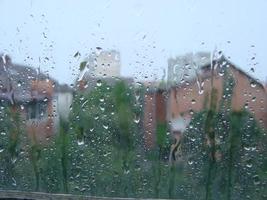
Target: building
column 189, row 97
column 64, row 97
column 30, row 93
column 154, row 112
column 184, row 68
column 180, row 101
column 101, row 65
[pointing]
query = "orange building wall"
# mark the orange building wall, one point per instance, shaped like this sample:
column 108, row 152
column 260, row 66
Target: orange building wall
column 149, row 120
column 254, row 96
column 180, row 101
column 188, row 97
column 39, row 130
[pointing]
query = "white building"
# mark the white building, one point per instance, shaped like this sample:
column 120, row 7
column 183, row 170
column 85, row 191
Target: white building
column 186, row 67
column 104, row 64
column 63, row 101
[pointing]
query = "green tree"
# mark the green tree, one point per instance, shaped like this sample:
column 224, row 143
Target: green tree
column 103, row 141
column 224, row 152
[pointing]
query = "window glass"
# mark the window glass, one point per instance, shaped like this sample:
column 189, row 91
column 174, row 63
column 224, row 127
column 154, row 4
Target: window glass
column 133, row 99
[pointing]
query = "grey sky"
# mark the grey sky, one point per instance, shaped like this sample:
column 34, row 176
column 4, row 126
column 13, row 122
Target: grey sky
column 146, row 32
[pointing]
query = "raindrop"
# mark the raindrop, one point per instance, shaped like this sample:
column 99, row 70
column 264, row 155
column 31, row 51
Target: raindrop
column 14, row 182
column 98, row 83
column 254, row 99
column 81, row 98
column 1, row 149
column 80, row 141
column 193, row 101
column 256, row 180
column 102, row 108
column 101, row 99
column 200, row 85
column 3, row 133
column 19, row 83
column 137, row 95
column 249, row 164
column 105, row 126
column 77, row 54
column 136, row 118
column 190, row 161
column 247, row 148
column 253, row 84
column 13, row 159
column 44, row 35
column 84, row 103
column 221, row 73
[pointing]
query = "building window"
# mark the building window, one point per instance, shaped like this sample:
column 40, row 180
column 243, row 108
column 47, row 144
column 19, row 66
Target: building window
column 36, row 110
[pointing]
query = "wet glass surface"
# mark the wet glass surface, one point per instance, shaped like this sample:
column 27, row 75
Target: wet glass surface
column 136, row 99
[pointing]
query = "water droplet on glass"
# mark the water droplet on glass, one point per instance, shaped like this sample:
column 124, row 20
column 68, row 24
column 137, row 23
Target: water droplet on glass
column 253, row 84
column 77, row 54
column 80, row 141
column 3, row 133
column 200, row 85
column 13, row 159
column 102, row 108
column 221, row 73
column 98, row 83
column 193, row 139
column 137, row 95
column 136, row 118
column 14, row 182
column 105, row 126
column 22, row 107
column 249, row 165
column 256, row 180
column 81, row 98
column 190, row 161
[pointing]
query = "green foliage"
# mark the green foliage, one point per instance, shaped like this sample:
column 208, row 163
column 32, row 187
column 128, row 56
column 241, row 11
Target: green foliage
column 238, row 158
column 99, row 151
column 10, row 129
column 104, row 141
column 224, row 153
column 161, row 133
